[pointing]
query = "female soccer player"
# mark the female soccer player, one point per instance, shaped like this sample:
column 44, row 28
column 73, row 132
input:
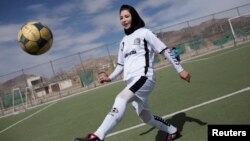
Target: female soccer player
column 135, row 60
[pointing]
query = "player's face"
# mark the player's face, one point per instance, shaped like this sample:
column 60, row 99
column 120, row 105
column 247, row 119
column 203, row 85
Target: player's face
column 125, row 19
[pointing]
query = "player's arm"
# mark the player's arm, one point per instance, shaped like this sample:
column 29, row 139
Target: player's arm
column 118, row 70
column 183, row 74
column 160, row 47
column 105, row 78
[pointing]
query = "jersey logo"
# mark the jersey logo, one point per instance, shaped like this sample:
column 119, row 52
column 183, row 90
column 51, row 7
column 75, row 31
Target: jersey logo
column 130, row 53
column 137, row 41
column 113, row 111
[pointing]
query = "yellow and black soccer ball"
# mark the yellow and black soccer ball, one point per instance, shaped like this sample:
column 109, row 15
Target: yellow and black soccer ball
column 35, row 38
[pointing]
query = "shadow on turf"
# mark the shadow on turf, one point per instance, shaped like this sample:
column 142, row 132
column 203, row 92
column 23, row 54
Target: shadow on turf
column 177, row 120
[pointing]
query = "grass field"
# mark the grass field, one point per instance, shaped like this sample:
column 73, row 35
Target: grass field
column 212, row 97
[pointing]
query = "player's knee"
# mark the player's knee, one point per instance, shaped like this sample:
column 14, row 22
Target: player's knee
column 118, row 108
column 145, row 116
column 115, row 112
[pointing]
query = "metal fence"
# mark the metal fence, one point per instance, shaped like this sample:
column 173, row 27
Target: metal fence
column 79, row 72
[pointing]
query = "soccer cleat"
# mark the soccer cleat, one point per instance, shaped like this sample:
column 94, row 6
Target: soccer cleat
column 90, row 137
column 171, row 137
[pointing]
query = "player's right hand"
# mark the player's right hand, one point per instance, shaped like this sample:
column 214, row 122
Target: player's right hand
column 103, row 79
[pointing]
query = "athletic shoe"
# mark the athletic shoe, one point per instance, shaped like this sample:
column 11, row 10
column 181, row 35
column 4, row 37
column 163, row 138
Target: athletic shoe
column 90, row 137
column 171, row 137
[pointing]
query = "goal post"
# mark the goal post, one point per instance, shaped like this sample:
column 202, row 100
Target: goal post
column 17, row 99
column 240, row 27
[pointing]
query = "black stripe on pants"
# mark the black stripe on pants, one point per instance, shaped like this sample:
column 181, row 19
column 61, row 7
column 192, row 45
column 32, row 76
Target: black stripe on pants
column 138, row 84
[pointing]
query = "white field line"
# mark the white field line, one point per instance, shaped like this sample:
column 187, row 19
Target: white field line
column 183, row 110
column 30, row 116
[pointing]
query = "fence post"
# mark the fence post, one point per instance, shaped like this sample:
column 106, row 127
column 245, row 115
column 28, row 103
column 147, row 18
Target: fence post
column 53, row 70
column 191, row 34
column 83, row 85
column 110, row 59
column 79, row 54
column 238, row 11
column 1, row 105
column 54, row 73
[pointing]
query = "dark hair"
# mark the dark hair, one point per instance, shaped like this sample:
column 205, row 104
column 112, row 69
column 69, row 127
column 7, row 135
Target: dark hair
column 137, row 21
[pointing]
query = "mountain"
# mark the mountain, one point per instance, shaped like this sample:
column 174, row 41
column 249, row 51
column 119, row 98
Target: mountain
column 16, row 82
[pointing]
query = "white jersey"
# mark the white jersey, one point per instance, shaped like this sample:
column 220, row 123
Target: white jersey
column 136, row 55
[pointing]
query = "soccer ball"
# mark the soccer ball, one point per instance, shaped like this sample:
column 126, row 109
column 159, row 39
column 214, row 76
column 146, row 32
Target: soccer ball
column 35, row 38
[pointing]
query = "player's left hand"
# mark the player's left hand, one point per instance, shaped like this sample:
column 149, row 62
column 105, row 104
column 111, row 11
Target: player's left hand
column 185, row 76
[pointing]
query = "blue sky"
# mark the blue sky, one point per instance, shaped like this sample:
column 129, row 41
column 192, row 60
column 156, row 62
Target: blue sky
column 78, row 25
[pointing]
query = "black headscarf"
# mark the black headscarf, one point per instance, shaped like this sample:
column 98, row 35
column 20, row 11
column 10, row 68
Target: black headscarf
column 137, row 21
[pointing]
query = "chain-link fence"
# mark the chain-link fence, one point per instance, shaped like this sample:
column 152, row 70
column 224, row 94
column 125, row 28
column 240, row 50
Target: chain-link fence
column 79, row 72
